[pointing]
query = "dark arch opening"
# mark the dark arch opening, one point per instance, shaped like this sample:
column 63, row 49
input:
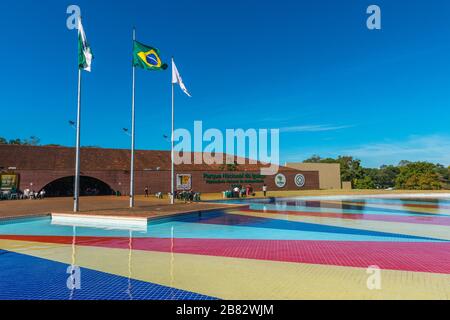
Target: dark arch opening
column 89, row 186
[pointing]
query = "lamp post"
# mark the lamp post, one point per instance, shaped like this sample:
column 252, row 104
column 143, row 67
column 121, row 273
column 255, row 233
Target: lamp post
column 126, row 131
column 72, row 124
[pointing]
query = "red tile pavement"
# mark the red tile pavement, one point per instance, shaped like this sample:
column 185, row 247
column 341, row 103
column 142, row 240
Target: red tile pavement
column 408, row 256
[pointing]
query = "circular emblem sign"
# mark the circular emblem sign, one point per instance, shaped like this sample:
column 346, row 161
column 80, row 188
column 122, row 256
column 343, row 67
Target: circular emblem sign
column 300, row 180
column 280, row 180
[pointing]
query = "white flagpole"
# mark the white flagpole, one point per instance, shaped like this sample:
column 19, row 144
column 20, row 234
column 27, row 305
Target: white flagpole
column 172, row 174
column 132, row 132
column 76, row 204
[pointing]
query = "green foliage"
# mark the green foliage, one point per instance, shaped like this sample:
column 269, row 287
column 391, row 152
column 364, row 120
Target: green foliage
column 419, row 176
column 32, row 141
column 16, row 142
column 364, row 183
column 384, row 177
column 318, row 159
column 444, row 174
column 407, row 175
column 351, row 169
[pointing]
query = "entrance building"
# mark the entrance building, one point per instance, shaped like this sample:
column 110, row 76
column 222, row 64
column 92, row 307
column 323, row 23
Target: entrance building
column 107, row 171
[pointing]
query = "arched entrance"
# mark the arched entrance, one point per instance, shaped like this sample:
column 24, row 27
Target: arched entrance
column 89, row 186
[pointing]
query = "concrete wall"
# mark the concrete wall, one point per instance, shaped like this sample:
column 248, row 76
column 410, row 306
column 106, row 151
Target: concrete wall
column 329, row 173
column 347, row 185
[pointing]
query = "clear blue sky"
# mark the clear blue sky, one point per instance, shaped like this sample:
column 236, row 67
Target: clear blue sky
column 310, row 68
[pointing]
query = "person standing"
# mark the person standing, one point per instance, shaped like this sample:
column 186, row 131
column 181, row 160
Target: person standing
column 237, row 192
column 264, row 188
column 247, row 190
column 146, row 191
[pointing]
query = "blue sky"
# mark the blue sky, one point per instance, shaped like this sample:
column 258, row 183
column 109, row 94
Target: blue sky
column 310, row 68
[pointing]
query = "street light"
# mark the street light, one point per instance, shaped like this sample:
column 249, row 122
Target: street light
column 126, row 131
column 72, row 124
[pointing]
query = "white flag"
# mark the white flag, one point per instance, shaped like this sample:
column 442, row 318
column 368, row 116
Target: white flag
column 176, row 78
column 84, row 50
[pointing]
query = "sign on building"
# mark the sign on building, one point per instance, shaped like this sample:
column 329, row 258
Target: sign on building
column 300, row 180
column 280, row 180
column 9, row 181
column 184, row 181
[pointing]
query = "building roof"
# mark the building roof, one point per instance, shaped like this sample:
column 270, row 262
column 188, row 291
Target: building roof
column 99, row 159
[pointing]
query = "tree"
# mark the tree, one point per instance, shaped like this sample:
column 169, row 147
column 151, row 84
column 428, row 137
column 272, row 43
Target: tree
column 314, row 159
column 418, row 176
column 32, row 141
column 407, row 175
column 350, row 168
column 444, row 174
column 318, row 159
column 404, row 163
column 364, row 183
column 385, row 177
column 15, row 142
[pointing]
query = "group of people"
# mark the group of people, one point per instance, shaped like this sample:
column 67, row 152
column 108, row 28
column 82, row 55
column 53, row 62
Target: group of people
column 243, row 191
column 186, row 195
column 247, row 191
column 31, row 194
column 15, row 194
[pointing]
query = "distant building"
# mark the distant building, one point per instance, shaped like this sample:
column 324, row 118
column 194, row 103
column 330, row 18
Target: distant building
column 329, row 173
column 107, row 171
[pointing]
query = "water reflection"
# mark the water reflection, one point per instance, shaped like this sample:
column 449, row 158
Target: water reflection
column 71, row 279
column 130, row 273
column 172, row 262
column 74, row 279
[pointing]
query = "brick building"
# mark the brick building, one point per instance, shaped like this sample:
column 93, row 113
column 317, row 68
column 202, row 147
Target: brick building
column 104, row 171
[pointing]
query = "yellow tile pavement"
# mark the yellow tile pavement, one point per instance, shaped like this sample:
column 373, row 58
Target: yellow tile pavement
column 401, row 209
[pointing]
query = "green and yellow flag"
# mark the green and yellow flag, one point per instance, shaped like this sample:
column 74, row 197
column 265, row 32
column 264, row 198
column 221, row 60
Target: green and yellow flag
column 147, row 57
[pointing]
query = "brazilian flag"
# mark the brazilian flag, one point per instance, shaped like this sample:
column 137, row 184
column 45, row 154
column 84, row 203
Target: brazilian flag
column 147, row 57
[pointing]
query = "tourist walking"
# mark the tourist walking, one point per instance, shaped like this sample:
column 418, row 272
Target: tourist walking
column 264, row 188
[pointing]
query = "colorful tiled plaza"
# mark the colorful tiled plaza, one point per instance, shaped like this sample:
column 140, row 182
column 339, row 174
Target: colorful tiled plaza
column 277, row 249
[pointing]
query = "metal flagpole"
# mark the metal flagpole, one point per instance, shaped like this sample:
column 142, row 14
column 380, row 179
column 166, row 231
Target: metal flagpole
column 76, row 204
column 132, row 132
column 172, row 174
